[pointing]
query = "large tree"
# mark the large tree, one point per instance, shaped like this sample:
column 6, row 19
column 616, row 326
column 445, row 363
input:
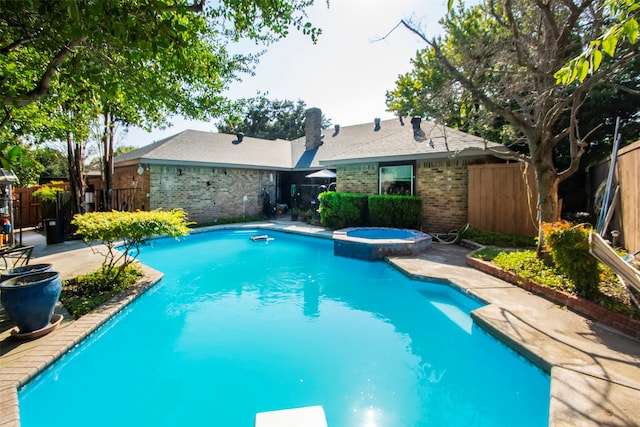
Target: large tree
column 40, row 37
column 135, row 61
column 261, row 117
column 501, row 56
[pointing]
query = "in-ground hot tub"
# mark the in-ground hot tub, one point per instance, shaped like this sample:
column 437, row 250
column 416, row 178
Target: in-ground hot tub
column 374, row 243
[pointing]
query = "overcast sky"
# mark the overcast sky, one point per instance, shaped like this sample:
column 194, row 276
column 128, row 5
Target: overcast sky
column 346, row 74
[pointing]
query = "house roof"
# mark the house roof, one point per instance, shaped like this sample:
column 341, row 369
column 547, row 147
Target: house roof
column 391, row 140
column 198, row 148
column 395, row 140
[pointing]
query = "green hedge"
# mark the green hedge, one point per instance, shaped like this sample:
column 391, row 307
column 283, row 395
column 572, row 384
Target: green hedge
column 340, row 210
column 395, row 211
column 569, row 248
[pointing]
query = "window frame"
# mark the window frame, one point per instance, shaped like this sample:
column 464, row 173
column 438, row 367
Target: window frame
column 384, row 167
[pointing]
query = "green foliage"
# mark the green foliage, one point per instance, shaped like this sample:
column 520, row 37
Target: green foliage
column 268, row 119
column 49, row 192
column 129, row 230
column 488, row 253
column 55, row 163
column 569, row 248
column 123, row 149
column 139, row 60
column 429, row 89
column 490, row 238
column 526, row 264
column 27, row 167
column 483, row 62
column 86, row 292
column 340, row 210
column 220, row 221
column 395, row 211
column 309, row 216
column 622, row 26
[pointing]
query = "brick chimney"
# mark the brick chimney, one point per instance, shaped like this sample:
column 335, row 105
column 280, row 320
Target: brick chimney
column 313, row 128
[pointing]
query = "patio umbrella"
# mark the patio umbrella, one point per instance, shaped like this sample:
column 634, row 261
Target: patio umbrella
column 324, row 173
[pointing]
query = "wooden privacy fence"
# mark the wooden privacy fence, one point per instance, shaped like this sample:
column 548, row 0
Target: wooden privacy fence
column 502, row 198
column 626, row 218
column 26, row 208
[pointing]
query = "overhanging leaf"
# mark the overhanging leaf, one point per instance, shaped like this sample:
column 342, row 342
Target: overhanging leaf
column 583, row 69
column 596, row 59
column 609, row 44
column 631, row 30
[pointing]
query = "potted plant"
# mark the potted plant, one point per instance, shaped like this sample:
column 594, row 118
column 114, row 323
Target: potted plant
column 29, row 299
column 295, row 213
column 25, row 269
column 309, row 215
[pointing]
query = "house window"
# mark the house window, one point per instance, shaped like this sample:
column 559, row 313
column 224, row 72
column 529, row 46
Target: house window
column 396, row 180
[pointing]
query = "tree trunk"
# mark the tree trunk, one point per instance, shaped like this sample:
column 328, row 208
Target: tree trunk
column 107, row 161
column 76, row 173
column 547, row 181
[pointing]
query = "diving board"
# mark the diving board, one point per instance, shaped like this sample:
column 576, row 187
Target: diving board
column 308, row 416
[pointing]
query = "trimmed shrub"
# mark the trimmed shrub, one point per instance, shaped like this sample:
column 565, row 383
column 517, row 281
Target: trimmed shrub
column 340, row 210
column 395, row 211
column 128, row 231
column 568, row 245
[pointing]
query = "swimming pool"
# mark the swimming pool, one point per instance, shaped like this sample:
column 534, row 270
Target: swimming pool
column 238, row 327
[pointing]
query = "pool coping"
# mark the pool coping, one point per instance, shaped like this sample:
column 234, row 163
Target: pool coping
column 374, row 249
column 589, row 387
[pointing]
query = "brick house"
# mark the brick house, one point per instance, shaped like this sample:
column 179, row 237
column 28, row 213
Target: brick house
column 215, row 175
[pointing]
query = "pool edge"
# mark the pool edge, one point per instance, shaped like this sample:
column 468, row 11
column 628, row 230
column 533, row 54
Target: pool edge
column 50, row 348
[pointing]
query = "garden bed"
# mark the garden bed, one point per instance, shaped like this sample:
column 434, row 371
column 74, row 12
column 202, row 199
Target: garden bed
column 621, row 322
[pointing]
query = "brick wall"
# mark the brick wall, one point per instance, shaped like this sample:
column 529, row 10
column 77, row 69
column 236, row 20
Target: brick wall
column 206, row 193
column 442, row 186
column 131, row 187
column 361, row 179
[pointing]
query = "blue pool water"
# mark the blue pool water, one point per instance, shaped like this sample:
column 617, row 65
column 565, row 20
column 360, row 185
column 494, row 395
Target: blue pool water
column 238, row 327
column 383, row 233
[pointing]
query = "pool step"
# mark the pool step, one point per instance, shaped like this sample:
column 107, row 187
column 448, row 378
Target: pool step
column 308, row 416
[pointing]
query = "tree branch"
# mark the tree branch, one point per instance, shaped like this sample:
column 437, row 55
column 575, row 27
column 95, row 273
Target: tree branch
column 468, row 84
column 42, row 88
column 8, row 115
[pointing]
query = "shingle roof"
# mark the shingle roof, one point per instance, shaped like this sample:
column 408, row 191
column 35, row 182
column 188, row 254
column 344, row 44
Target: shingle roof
column 397, row 141
column 350, row 144
column 198, row 148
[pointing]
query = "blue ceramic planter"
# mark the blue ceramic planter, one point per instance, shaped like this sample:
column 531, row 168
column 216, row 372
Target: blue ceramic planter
column 19, row 271
column 29, row 299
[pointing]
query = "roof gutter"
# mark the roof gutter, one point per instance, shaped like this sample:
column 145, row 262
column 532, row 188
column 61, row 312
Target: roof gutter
column 467, row 153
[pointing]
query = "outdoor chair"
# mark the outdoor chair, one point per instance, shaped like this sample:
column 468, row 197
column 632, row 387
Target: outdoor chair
column 13, row 257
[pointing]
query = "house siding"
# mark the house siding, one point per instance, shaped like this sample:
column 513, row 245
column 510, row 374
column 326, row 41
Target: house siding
column 362, row 179
column 443, row 187
column 222, row 197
